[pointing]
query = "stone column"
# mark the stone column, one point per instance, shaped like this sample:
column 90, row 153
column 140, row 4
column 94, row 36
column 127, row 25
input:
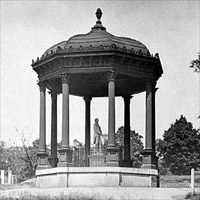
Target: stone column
column 65, row 156
column 112, row 156
column 53, row 160
column 154, row 120
column 127, row 157
column 149, row 158
column 87, row 128
column 42, row 154
column 12, row 179
column 2, row 176
column 9, row 177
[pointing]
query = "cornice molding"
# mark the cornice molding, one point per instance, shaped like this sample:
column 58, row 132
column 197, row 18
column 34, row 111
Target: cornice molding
column 99, row 48
column 92, row 63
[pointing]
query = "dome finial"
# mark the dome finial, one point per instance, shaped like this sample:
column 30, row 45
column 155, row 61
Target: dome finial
column 98, row 22
column 98, row 15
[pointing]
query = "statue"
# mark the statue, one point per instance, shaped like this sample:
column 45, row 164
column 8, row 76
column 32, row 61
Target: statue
column 97, row 136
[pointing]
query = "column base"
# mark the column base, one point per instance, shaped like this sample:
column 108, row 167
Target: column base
column 53, row 161
column 65, row 158
column 149, row 159
column 112, row 157
column 42, row 162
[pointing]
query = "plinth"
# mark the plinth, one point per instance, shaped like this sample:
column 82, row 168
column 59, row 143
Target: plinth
column 65, row 158
column 42, row 160
column 149, row 159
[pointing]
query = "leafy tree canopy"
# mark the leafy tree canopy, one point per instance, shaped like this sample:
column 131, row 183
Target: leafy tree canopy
column 136, row 145
column 30, row 158
column 179, row 150
column 195, row 64
column 21, row 160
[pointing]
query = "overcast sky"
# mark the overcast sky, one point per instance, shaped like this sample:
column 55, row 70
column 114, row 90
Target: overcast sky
column 28, row 28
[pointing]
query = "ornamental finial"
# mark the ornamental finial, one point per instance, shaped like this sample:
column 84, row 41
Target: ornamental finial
column 98, row 14
column 98, row 22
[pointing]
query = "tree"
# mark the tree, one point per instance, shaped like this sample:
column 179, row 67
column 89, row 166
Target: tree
column 30, row 159
column 136, row 145
column 195, row 64
column 2, row 159
column 10, row 159
column 160, row 146
column 179, row 150
column 21, row 160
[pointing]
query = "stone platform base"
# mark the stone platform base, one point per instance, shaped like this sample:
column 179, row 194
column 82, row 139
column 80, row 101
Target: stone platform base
column 62, row 177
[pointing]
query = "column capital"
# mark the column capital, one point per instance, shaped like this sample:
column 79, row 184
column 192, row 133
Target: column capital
column 155, row 90
column 53, row 93
column 127, row 97
column 87, row 99
column 111, row 75
column 150, row 82
column 42, row 85
column 65, row 78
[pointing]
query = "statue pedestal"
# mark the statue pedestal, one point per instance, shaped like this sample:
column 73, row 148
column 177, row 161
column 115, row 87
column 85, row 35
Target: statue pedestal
column 97, row 160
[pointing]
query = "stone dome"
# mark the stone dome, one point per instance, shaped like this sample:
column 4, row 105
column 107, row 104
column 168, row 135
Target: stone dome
column 98, row 39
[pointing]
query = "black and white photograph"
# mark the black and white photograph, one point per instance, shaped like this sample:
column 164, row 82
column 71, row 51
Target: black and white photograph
column 100, row 100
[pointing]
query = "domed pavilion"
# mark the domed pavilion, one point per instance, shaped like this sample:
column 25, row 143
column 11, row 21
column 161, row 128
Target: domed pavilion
column 96, row 64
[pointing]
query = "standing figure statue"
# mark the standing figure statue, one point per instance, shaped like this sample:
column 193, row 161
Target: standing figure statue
column 97, row 136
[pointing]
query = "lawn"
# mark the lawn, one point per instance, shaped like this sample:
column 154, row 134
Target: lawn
column 178, row 181
column 27, row 195
column 192, row 197
column 27, row 190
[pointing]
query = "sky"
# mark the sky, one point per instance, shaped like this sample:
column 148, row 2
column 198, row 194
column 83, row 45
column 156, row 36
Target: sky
column 29, row 28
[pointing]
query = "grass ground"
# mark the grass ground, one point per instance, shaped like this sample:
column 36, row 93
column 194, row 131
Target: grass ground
column 10, row 187
column 27, row 191
column 178, row 181
column 26, row 195
column 111, row 193
column 192, row 197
